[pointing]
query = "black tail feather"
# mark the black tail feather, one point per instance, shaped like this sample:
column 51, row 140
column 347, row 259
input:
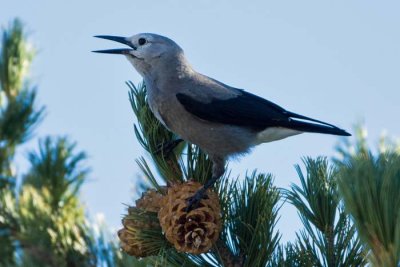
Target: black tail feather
column 316, row 128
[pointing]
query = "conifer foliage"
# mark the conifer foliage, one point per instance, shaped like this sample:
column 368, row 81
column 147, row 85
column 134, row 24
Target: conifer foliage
column 329, row 237
column 19, row 115
column 370, row 186
column 42, row 221
column 349, row 207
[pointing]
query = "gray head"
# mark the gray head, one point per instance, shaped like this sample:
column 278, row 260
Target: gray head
column 148, row 52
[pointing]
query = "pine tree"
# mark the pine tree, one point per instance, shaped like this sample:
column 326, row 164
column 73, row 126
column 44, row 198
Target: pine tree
column 370, row 184
column 42, row 221
column 19, row 115
column 329, row 237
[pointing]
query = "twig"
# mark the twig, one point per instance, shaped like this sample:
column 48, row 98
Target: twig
column 228, row 259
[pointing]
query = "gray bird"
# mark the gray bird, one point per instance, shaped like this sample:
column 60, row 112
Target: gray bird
column 222, row 120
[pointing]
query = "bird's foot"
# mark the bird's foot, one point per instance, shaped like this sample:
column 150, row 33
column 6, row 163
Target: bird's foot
column 194, row 201
column 167, row 147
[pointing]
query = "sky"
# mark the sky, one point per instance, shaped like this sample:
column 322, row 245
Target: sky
column 337, row 61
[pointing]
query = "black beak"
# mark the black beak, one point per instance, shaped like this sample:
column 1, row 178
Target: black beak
column 122, row 40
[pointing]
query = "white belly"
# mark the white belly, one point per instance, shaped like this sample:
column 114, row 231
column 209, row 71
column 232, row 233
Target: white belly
column 274, row 134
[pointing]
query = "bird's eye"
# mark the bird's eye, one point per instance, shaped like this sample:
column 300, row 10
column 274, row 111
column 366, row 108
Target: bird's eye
column 142, row 41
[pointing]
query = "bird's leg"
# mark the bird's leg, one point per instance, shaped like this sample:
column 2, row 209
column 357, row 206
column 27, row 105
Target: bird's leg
column 200, row 194
column 217, row 171
column 167, row 147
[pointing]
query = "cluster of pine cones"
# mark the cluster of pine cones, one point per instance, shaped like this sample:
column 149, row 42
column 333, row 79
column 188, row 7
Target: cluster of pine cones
column 192, row 232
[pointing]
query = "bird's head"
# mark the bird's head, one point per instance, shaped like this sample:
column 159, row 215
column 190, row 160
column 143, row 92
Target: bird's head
column 147, row 50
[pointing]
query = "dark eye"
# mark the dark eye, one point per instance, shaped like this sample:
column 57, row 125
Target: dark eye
column 142, row 41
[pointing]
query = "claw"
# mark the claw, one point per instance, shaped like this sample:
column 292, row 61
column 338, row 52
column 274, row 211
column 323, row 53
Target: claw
column 194, row 201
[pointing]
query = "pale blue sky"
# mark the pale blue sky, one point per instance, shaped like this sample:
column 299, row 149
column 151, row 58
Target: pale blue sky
column 337, row 61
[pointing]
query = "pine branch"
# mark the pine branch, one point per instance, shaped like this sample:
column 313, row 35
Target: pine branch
column 40, row 227
column 151, row 134
column 18, row 112
column 329, row 236
column 198, row 166
column 18, row 118
column 50, row 222
column 292, row 255
column 227, row 257
column 7, row 225
column 15, row 60
column 249, row 226
column 58, row 168
column 370, row 187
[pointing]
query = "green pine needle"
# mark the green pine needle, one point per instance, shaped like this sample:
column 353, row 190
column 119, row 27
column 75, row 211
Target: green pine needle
column 15, row 59
column 250, row 223
column 58, row 168
column 151, row 134
column 370, row 187
column 328, row 234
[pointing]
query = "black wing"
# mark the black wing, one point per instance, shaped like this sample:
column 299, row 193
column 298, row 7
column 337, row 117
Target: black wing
column 254, row 112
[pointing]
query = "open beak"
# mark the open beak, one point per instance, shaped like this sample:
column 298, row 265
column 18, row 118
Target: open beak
column 122, row 40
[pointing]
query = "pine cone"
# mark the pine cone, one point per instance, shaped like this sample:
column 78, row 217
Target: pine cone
column 137, row 224
column 150, row 200
column 194, row 232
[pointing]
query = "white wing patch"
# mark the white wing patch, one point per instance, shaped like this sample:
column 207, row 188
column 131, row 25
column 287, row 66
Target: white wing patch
column 274, row 134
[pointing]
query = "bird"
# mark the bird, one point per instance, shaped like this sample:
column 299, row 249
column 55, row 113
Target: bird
column 224, row 121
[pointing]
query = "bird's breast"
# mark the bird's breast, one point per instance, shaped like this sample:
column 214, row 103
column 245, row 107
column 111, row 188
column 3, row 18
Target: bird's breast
column 161, row 106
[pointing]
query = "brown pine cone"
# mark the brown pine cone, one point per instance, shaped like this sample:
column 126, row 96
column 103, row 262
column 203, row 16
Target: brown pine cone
column 150, row 200
column 195, row 231
column 134, row 237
